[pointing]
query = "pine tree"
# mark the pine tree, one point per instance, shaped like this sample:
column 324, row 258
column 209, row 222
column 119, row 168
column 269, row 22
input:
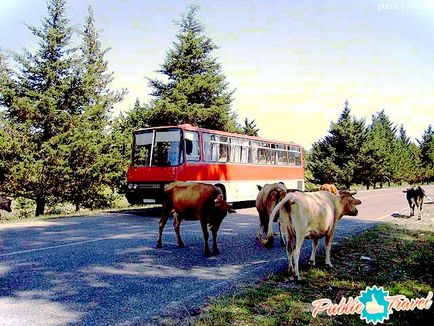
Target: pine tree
column 92, row 164
column 194, row 91
column 337, row 157
column 380, row 150
column 137, row 117
column 38, row 109
column 404, row 160
column 250, row 128
column 426, row 154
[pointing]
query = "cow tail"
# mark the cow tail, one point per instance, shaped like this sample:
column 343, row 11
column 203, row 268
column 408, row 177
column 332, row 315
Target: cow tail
column 268, row 241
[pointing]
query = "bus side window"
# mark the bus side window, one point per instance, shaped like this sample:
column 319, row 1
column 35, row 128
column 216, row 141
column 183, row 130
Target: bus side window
column 245, row 149
column 235, row 150
column 192, row 148
column 254, row 157
column 223, row 149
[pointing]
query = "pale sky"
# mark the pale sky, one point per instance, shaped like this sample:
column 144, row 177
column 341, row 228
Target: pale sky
column 293, row 63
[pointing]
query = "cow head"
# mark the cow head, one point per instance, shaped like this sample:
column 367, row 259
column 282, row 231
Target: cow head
column 275, row 194
column 349, row 203
column 221, row 204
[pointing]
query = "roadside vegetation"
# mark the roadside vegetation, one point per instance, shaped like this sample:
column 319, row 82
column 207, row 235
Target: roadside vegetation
column 399, row 259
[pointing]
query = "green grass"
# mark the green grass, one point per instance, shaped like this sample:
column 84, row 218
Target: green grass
column 402, row 262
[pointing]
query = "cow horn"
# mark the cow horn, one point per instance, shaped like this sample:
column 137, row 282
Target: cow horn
column 347, row 192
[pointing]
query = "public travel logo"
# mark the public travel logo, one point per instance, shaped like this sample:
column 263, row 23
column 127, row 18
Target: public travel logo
column 374, row 305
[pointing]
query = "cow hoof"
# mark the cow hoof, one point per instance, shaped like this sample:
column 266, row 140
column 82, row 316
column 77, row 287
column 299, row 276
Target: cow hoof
column 312, row 262
column 208, row 254
column 216, row 252
column 159, row 245
column 329, row 266
column 181, row 245
column 419, row 218
column 297, row 279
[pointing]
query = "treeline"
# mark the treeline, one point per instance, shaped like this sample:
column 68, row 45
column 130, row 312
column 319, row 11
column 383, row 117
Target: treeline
column 354, row 152
column 58, row 140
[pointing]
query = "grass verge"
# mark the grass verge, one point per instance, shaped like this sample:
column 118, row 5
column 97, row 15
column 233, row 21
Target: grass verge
column 400, row 260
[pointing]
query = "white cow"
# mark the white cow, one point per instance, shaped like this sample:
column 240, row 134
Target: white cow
column 310, row 215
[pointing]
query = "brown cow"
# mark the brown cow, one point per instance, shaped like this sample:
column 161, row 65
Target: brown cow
column 194, row 201
column 313, row 216
column 5, row 204
column 330, row 187
column 268, row 196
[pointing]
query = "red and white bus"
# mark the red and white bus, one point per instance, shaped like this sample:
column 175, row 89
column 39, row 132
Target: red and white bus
column 235, row 162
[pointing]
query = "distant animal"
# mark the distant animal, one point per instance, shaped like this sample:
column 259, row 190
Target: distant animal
column 415, row 196
column 5, row 204
column 194, row 201
column 268, row 196
column 310, row 215
column 330, row 187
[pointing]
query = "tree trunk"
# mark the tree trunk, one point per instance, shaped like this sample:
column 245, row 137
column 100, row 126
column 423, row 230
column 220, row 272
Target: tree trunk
column 40, row 206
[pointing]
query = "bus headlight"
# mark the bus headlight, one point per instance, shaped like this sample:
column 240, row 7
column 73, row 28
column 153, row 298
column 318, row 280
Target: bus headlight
column 131, row 186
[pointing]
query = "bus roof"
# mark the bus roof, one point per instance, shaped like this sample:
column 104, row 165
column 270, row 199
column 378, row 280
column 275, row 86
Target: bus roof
column 224, row 133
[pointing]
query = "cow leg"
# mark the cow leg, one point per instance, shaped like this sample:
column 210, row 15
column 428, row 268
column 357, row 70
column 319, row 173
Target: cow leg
column 328, row 247
column 176, row 224
column 289, row 252
column 412, row 209
column 420, row 211
column 163, row 221
column 296, row 254
column 282, row 240
column 263, row 225
column 215, row 249
column 314, row 248
column 204, row 226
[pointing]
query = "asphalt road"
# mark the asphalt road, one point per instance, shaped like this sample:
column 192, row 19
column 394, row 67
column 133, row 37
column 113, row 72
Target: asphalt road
column 105, row 270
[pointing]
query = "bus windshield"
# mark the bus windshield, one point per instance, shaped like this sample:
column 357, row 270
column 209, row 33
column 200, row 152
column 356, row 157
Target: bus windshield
column 157, row 148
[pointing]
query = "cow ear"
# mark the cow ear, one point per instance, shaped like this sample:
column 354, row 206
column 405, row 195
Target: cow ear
column 357, row 201
column 259, row 187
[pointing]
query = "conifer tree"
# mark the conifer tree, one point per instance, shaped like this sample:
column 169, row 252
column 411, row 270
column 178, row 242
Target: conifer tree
column 426, row 156
column 194, row 89
column 92, row 162
column 38, row 109
column 250, row 128
column 404, row 159
column 337, row 157
column 380, row 150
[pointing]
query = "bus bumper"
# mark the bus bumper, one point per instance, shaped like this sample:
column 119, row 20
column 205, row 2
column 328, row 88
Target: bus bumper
column 145, row 193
